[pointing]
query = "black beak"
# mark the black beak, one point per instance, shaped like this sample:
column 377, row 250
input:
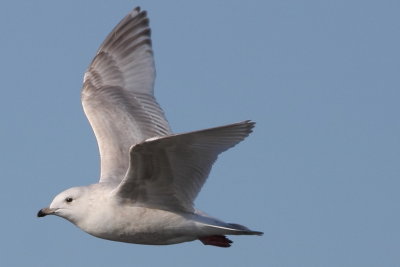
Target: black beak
column 44, row 212
column 41, row 213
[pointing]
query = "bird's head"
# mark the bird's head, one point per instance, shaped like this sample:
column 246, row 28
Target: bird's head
column 70, row 204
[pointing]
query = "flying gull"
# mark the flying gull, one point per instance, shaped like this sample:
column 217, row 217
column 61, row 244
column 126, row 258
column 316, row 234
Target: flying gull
column 149, row 176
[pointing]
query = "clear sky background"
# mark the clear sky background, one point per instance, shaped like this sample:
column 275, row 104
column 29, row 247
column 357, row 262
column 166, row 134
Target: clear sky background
column 320, row 175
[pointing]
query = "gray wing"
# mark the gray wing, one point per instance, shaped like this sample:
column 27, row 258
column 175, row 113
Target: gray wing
column 117, row 94
column 168, row 172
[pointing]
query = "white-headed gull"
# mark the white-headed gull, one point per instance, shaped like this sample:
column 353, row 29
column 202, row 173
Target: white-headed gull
column 149, row 176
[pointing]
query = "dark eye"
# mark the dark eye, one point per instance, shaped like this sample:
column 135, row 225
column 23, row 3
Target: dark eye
column 68, row 199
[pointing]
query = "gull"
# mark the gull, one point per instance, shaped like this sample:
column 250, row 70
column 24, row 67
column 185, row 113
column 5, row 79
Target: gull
column 149, row 177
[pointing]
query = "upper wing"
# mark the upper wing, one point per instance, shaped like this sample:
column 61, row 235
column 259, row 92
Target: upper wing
column 168, row 172
column 117, row 94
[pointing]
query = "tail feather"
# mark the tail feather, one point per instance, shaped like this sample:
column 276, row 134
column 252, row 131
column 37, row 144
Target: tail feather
column 215, row 227
column 244, row 230
column 231, row 229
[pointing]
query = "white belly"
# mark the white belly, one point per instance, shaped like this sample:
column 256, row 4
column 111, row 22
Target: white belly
column 141, row 226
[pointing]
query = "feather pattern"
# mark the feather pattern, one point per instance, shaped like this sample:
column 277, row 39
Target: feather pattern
column 117, row 95
column 168, row 172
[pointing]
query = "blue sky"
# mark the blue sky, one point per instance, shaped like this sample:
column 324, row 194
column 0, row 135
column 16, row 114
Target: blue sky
column 320, row 175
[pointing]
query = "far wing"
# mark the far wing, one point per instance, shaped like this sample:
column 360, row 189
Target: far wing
column 168, row 172
column 117, row 94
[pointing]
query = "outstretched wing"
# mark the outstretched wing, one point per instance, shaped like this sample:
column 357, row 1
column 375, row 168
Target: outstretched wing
column 117, row 94
column 168, row 172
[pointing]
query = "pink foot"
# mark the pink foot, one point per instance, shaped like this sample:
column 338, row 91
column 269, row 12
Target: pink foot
column 216, row 240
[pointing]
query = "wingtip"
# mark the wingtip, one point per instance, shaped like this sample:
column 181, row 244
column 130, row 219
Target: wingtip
column 248, row 124
column 136, row 11
column 251, row 123
column 258, row 233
